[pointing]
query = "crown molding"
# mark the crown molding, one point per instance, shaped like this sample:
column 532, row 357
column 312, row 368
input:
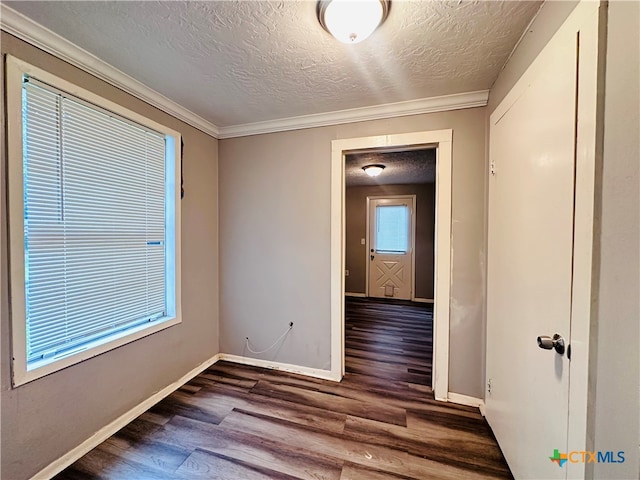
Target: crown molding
column 31, row 32
column 376, row 112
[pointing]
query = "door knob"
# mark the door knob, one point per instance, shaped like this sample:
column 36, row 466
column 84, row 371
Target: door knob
column 556, row 342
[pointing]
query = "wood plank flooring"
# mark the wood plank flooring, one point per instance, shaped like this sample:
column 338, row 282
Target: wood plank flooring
column 381, row 422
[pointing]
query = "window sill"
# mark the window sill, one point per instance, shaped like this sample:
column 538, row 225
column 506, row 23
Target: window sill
column 23, row 374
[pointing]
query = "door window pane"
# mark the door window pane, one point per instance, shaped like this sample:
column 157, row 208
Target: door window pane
column 392, row 228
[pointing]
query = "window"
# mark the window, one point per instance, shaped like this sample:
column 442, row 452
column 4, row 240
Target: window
column 94, row 223
column 392, row 229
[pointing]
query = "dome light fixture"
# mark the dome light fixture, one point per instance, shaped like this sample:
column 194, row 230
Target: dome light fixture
column 351, row 21
column 373, row 170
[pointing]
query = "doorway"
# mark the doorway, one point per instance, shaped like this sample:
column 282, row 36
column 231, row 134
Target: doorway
column 442, row 141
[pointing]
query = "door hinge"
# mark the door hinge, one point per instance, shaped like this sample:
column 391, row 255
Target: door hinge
column 489, row 386
column 492, row 169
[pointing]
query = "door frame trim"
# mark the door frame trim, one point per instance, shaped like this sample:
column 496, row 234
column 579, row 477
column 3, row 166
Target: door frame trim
column 442, row 140
column 413, row 240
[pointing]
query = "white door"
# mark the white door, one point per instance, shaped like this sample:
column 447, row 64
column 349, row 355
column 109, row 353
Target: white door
column 529, row 284
column 391, row 247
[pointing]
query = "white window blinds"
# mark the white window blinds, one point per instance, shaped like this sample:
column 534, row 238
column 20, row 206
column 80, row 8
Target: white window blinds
column 392, row 228
column 94, row 223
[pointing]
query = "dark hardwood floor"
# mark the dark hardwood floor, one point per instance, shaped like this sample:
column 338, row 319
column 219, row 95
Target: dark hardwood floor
column 389, row 339
column 243, row 423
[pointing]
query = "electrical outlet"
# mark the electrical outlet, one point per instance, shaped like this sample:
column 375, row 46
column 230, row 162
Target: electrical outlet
column 346, row 273
column 489, row 386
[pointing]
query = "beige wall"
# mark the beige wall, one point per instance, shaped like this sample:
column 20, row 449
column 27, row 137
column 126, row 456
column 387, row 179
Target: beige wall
column 356, row 229
column 615, row 374
column 275, row 239
column 46, row 418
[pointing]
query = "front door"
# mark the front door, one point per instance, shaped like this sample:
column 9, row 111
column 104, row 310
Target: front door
column 530, row 262
column 391, row 247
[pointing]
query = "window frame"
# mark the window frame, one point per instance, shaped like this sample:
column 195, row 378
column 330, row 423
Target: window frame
column 20, row 374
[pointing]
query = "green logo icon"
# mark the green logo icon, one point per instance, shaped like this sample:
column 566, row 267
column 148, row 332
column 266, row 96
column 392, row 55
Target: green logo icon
column 559, row 458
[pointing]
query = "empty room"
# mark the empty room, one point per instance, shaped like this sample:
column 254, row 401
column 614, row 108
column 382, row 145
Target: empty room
column 336, row 239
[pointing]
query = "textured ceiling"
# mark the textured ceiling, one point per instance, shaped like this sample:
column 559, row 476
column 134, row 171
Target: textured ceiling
column 237, row 62
column 415, row 166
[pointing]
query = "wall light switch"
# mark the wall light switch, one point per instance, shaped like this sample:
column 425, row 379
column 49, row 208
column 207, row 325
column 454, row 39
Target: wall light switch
column 363, row 241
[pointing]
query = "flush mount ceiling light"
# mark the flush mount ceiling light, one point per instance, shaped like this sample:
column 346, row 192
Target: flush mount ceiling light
column 373, row 170
column 351, row 21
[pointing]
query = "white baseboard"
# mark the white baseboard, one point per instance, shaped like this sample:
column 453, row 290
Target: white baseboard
column 364, row 295
column 465, row 400
column 105, row 432
column 423, row 300
column 483, row 412
column 285, row 367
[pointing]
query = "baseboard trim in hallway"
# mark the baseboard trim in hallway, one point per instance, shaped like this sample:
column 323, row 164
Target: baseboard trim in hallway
column 466, row 400
column 123, row 420
column 285, row 367
column 423, row 300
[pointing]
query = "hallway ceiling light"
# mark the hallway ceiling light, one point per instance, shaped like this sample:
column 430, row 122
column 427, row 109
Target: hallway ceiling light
column 373, row 170
column 351, row 21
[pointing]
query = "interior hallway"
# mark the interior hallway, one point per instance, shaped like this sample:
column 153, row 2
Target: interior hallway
column 380, row 422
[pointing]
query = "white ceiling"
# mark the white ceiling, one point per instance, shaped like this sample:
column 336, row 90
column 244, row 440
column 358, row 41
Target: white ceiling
column 239, row 62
